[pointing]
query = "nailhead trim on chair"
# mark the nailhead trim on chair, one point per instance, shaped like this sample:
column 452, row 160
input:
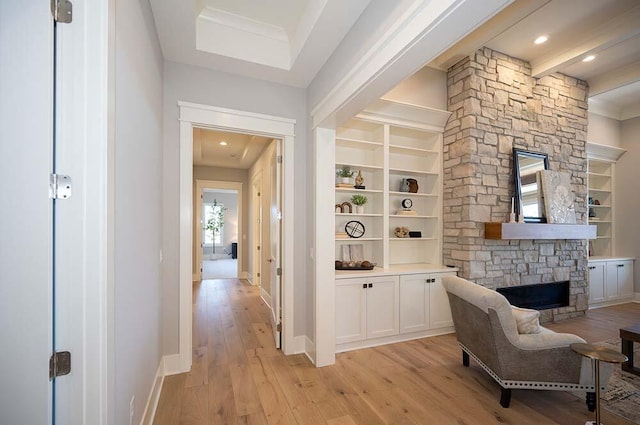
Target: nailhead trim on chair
column 528, row 384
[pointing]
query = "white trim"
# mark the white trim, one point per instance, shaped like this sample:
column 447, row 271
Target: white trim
column 604, row 152
column 171, row 364
column 633, row 298
column 196, row 115
column 266, row 298
column 636, row 297
column 149, row 413
column 325, row 344
column 195, row 277
column 309, row 349
column 244, row 275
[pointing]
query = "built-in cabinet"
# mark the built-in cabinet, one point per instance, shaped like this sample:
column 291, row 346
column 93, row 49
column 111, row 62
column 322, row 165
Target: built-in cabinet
column 610, row 281
column 381, row 309
column 611, row 278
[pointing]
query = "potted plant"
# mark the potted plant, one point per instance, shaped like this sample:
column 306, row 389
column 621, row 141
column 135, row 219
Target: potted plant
column 345, row 173
column 359, row 201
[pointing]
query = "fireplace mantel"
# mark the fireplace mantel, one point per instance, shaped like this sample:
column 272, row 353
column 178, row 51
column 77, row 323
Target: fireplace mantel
column 506, row 231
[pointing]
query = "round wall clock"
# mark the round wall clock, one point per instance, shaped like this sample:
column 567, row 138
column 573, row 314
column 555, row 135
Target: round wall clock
column 354, row 229
column 407, row 203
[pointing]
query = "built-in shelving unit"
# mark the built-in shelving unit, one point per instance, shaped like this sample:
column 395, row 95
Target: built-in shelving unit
column 387, row 143
column 601, row 174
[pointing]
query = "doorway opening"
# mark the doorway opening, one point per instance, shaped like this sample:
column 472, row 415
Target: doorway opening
column 195, row 116
column 218, row 228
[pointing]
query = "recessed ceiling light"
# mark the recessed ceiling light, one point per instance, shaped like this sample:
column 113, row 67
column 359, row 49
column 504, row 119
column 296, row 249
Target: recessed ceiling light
column 223, row 143
column 588, row 58
column 541, row 39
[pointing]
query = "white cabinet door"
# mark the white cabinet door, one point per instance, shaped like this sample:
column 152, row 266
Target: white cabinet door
column 414, row 303
column 597, row 280
column 382, row 307
column 611, row 281
column 351, row 310
column 439, row 310
column 625, row 278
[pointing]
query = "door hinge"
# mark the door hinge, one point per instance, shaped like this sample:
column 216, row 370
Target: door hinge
column 258, row 248
column 279, row 159
column 59, row 364
column 59, row 186
column 258, row 274
column 62, row 11
column 279, row 327
column 279, row 271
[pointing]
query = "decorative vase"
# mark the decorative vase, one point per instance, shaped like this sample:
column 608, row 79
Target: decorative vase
column 345, row 180
column 359, row 209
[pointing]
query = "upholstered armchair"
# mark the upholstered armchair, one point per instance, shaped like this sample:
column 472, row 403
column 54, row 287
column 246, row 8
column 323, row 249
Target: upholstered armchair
column 487, row 331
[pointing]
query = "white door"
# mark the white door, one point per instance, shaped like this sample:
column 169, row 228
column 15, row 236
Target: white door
column 597, row 279
column 274, row 249
column 439, row 310
column 414, row 303
column 351, row 310
column 625, row 278
column 26, row 254
column 382, row 307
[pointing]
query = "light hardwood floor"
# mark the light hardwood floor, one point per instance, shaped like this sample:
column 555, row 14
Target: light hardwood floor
column 238, row 377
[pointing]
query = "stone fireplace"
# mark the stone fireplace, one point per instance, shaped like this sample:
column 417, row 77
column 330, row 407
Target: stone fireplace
column 497, row 105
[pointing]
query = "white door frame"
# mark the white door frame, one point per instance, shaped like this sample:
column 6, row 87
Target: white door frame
column 213, row 185
column 204, row 116
column 255, row 229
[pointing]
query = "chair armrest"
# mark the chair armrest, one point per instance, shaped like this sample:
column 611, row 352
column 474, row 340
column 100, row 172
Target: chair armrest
column 546, row 340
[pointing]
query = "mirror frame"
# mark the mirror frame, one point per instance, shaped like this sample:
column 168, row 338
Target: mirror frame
column 518, row 186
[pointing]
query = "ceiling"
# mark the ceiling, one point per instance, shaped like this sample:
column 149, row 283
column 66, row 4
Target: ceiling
column 241, row 150
column 607, row 29
column 284, row 41
column 288, row 41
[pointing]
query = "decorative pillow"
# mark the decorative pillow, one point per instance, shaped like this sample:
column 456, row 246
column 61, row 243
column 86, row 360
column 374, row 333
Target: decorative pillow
column 527, row 320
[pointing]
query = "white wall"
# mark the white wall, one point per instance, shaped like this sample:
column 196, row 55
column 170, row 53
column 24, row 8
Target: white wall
column 627, row 198
column 138, row 206
column 199, row 85
column 603, row 130
column 427, row 87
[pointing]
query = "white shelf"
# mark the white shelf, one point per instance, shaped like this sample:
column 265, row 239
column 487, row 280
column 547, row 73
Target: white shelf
column 406, row 140
column 357, row 215
column 426, row 195
column 600, row 190
column 398, row 148
column 412, row 216
column 412, row 172
column 358, row 143
column 599, row 206
column 598, row 175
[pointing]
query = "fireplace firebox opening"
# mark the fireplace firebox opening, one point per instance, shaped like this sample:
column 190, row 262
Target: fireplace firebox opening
column 540, row 296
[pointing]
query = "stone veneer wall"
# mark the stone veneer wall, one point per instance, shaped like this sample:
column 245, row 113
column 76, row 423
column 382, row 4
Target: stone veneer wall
column 496, row 106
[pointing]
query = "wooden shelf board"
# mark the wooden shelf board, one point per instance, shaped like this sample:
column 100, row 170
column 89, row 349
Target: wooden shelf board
column 506, row 231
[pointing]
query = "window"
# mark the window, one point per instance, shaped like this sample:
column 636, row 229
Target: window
column 213, row 223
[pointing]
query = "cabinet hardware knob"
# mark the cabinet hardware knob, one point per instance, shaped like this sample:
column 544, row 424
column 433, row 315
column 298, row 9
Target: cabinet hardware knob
column 592, row 267
column 620, row 265
column 371, row 285
column 364, row 286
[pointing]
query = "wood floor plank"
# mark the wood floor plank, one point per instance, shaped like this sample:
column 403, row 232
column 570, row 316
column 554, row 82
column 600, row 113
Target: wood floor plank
column 170, row 403
column 245, row 392
column 248, row 381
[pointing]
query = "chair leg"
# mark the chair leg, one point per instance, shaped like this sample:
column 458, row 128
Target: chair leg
column 465, row 358
column 505, row 397
column 591, row 401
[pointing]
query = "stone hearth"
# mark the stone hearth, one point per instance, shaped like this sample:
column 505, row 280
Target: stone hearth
column 497, row 105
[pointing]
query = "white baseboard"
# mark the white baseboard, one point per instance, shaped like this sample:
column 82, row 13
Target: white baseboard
column 171, row 365
column 154, row 396
column 636, row 297
column 265, row 297
column 195, row 277
column 244, row 275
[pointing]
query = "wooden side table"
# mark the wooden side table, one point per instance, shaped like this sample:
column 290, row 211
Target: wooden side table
column 598, row 354
column 629, row 335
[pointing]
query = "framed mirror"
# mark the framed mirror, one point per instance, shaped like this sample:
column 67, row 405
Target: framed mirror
column 527, row 182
